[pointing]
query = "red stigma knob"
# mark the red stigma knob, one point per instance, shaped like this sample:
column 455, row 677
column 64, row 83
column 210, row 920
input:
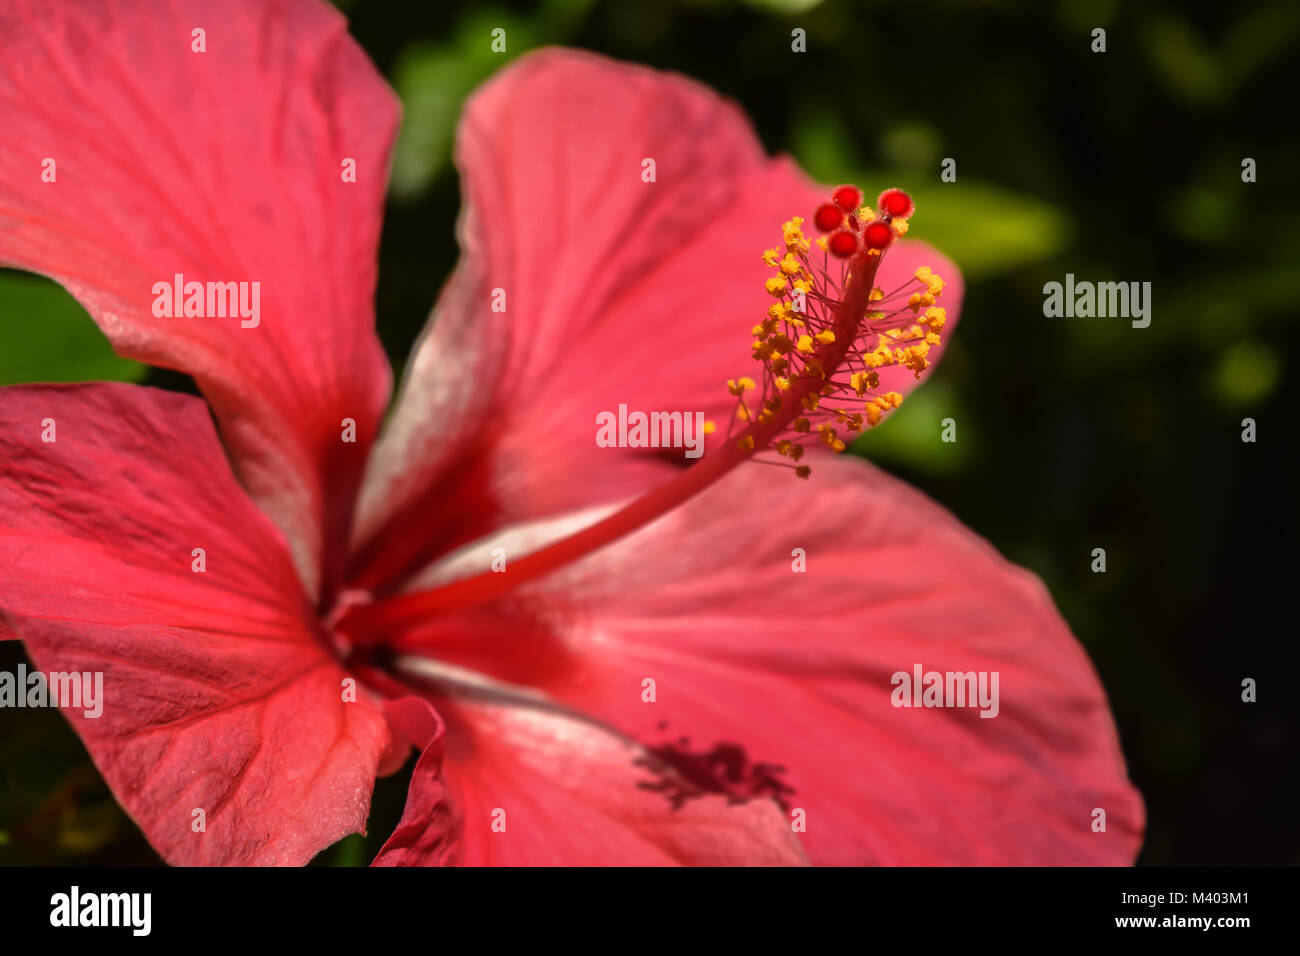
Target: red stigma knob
column 895, row 203
column 828, row 216
column 842, row 244
column 848, row 198
column 877, row 235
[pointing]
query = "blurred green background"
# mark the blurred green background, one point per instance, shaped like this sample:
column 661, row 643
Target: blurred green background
column 1073, row 434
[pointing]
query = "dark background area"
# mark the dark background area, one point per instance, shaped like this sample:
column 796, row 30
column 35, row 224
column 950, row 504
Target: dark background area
column 1073, row 433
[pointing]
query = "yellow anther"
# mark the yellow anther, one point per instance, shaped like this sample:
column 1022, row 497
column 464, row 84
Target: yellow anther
column 823, row 243
column 710, row 427
column 811, row 401
column 803, row 285
column 876, row 294
column 790, row 265
column 936, row 285
column 914, row 358
column 804, row 345
column 803, row 471
column 770, row 258
column 801, row 425
column 830, row 438
column 741, row 385
column 825, row 337
column 923, row 274
column 793, row 235
column 782, row 383
column 935, row 316
column 776, row 286
column 899, row 226
column 746, row 443
column 861, row 381
column 920, row 300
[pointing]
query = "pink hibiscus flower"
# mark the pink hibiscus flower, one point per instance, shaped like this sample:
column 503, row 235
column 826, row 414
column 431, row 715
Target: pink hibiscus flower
column 283, row 604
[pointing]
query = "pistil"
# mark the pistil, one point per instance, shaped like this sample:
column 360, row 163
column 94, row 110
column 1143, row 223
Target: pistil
column 799, row 371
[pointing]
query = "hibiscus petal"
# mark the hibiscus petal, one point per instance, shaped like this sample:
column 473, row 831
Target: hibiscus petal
column 616, row 291
column 223, row 166
column 218, row 691
column 533, row 787
column 427, row 832
column 777, row 682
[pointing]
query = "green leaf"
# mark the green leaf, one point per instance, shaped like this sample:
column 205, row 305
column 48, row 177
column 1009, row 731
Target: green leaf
column 986, row 229
column 433, row 79
column 912, row 435
column 46, row 336
column 1247, row 373
column 784, row 7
